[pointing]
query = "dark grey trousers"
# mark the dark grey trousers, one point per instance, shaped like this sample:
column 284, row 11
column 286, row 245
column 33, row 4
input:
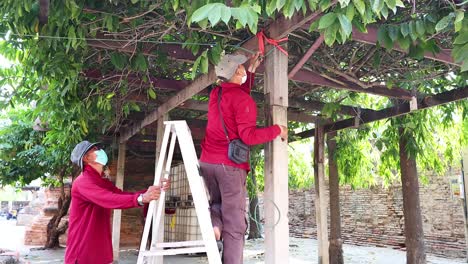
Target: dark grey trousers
column 227, row 188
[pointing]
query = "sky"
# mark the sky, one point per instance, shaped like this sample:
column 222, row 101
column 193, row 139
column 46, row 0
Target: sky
column 4, row 63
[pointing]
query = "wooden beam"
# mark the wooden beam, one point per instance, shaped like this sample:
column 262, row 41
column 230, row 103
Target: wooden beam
column 117, row 216
column 286, row 26
column 293, row 115
column 196, row 86
column 43, row 11
column 313, row 105
column 136, row 79
column 276, row 161
column 316, row 79
column 401, row 109
column 172, row 50
column 320, row 193
column 370, row 37
column 305, row 134
column 306, row 56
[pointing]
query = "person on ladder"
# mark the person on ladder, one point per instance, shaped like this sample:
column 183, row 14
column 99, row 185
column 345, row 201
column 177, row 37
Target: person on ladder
column 231, row 128
column 93, row 196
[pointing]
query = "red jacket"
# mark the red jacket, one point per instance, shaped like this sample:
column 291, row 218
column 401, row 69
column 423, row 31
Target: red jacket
column 89, row 233
column 240, row 116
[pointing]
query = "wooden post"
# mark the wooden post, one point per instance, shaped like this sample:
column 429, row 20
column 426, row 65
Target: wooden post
column 117, row 217
column 414, row 235
column 276, row 161
column 159, row 237
column 320, row 193
column 336, row 243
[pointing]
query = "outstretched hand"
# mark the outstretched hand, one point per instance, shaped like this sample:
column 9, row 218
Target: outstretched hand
column 154, row 192
column 255, row 61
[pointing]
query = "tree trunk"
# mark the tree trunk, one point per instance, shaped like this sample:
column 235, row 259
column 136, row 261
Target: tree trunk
column 336, row 243
column 54, row 231
column 254, row 212
column 414, row 235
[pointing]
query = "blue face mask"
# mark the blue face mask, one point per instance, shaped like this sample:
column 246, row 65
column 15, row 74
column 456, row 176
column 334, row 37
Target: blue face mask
column 101, row 157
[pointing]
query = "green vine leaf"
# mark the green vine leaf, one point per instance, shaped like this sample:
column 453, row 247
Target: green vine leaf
column 345, row 25
column 444, row 22
column 360, row 6
column 327, row 20
column 119, row 60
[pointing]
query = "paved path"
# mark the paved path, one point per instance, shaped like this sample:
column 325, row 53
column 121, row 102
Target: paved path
column 302, row 251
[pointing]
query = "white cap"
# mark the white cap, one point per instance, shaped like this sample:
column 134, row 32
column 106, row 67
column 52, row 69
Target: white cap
column 228, row 65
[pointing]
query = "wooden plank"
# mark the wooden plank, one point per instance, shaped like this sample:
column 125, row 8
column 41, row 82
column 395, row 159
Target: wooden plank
column 401, row 109
column 276, row 162
column 172, row 50
column 293, row 115
column 136, row 80
column 117, row 216
column 370, row 37
column 305, row 134
column 306, row 56
column 286, row 26
column 313, row 105
column 316, row 79
column 196, row 86
column 320, row 193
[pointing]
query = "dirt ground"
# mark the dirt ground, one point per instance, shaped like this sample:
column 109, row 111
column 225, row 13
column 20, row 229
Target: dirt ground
column 301, row 251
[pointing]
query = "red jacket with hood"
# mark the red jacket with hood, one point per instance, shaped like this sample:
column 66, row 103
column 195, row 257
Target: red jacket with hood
column 240, row 117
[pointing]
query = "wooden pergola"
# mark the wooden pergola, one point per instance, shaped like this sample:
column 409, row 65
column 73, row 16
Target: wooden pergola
column 278, row 103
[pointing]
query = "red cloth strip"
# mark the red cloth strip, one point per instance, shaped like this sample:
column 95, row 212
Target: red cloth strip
column 275, row 42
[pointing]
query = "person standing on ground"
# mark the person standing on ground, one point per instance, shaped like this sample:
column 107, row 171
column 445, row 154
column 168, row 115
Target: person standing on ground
column 93, row 196
column 230, row 103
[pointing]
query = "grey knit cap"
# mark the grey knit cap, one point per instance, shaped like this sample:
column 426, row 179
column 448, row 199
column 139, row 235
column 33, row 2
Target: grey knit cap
column 228, row 65
column 79, row 151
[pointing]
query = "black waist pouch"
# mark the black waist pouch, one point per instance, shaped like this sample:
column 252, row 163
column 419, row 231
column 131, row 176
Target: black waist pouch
column 238, row 151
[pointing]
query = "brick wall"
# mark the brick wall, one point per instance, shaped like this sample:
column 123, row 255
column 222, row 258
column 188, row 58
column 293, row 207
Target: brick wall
column 369, row 217
column 375, row 217
column 139, row 174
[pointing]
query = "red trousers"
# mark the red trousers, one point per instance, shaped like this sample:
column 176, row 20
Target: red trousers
column 227, row 188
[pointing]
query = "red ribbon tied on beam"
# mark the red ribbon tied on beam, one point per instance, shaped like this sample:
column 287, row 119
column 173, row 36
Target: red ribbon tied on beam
column 275, row 42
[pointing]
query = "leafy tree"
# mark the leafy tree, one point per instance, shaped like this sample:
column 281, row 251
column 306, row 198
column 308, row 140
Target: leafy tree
column 21, row 153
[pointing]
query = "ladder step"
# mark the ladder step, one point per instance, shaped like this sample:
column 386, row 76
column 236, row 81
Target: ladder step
column 181, row 244
column 177, row 251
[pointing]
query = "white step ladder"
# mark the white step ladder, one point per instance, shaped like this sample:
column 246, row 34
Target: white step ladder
column 179, row 130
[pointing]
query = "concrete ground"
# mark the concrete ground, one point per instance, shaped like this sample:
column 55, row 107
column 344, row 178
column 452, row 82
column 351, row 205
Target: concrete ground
column 301, row 251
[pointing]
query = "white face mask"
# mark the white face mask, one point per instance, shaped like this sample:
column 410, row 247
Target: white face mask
column 244, row 79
